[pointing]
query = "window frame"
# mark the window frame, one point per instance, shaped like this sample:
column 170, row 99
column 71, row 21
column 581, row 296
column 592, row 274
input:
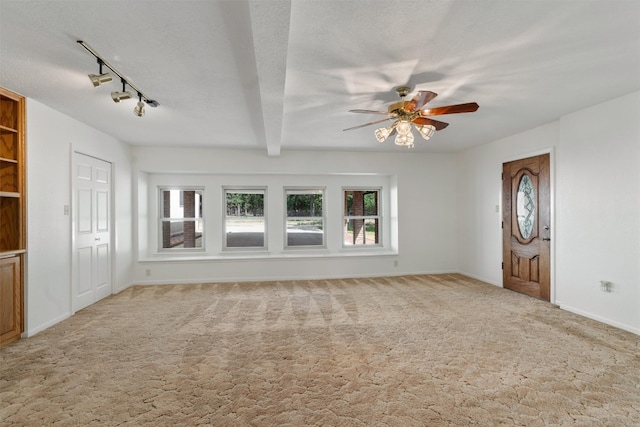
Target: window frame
column 162, row 219
column 323, row 217
column 379, row 217
column 246, row 190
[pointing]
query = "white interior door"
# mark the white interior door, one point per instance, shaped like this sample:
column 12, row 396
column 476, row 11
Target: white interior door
column 92, row 230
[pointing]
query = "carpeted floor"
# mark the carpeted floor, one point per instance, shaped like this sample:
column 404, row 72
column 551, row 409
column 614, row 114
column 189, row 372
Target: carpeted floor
column 405, row 351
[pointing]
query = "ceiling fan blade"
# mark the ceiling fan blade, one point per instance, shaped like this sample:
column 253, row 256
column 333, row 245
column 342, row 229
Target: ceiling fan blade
column 425, row 121
column 369, row 112
column 371, row 123
column 469, row 107
column 421, row 98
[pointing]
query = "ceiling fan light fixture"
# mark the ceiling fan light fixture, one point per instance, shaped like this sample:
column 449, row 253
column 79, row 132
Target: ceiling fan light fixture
column 405, row 140
column 383, row 133
column 403, row 127
column 409, row 113
column 426, row 131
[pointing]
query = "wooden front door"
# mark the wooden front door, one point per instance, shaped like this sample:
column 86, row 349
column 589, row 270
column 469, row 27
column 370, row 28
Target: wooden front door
column 526, row 226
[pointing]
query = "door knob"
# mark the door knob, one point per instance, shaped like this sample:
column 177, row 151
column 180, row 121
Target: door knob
column 97, row 239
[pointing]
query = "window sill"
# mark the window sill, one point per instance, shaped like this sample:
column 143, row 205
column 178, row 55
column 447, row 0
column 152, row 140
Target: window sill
column 265, row 255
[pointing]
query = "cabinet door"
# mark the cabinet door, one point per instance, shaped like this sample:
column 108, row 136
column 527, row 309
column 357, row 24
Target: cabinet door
column 9, row 299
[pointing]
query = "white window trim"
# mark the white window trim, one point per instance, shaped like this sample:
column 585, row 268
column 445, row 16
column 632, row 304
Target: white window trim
column 379, row 217
column 162, row 219
column 248, row 190
column 323, row 217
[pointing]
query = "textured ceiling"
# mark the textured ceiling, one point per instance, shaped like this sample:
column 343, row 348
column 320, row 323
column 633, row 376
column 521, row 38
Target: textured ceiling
column 278, row 75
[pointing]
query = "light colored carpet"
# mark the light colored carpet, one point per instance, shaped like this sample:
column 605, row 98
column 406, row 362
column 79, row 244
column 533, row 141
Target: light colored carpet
column 406, row 351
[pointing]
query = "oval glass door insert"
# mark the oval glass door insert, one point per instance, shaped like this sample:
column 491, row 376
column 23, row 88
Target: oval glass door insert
column 526, row 206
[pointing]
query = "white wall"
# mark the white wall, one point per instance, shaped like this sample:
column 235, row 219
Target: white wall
column 425, row 215
column 480, row 192
column 51, row 137
column 598, row 212
column 595, row 156
column 446, row 213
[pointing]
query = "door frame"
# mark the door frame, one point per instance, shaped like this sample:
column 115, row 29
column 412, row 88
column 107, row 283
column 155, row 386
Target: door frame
column 552, row 208
column 73, row 222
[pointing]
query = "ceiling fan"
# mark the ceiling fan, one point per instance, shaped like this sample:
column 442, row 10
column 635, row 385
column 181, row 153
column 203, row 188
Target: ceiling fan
column 404, row 113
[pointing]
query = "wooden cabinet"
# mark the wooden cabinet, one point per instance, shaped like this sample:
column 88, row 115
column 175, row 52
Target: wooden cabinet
column 10, row 299
column 12, row 215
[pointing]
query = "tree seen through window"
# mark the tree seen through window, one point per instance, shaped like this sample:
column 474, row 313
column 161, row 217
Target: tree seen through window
column 244, row 218
column 305, row 217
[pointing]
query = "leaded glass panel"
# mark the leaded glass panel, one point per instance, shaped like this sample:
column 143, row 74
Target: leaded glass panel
column 526, row 206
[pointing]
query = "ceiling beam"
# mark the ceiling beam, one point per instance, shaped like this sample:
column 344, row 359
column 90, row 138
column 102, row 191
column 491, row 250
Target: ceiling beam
column 270, row 26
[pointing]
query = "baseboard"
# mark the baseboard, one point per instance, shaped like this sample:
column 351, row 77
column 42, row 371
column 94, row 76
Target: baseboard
column 33, row 331
column 123, row 288
column 600, row 319
column 482, row 279
column 278, row 278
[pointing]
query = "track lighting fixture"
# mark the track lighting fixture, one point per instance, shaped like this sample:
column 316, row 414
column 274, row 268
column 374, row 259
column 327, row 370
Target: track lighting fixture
column 139, row 109
column 120, row 96
column 98, row 79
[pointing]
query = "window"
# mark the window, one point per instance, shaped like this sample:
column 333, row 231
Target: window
column 181, row 221
column 361, row 217
column 245, row 221
column 305, row 217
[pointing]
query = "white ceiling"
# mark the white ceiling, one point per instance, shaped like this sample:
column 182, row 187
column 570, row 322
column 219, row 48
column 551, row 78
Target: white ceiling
column 277, row 75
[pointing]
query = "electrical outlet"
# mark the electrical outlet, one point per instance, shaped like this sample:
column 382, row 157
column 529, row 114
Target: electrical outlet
column 147, row 272
column 606, row 286
column 395, row 263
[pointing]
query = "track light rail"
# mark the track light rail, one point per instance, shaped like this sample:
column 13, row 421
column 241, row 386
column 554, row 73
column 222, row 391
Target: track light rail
column 124, row 81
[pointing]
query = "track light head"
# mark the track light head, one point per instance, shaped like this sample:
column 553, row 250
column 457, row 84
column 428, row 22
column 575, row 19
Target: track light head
column 139, row 109
column 98, row 79
column 120, row 96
